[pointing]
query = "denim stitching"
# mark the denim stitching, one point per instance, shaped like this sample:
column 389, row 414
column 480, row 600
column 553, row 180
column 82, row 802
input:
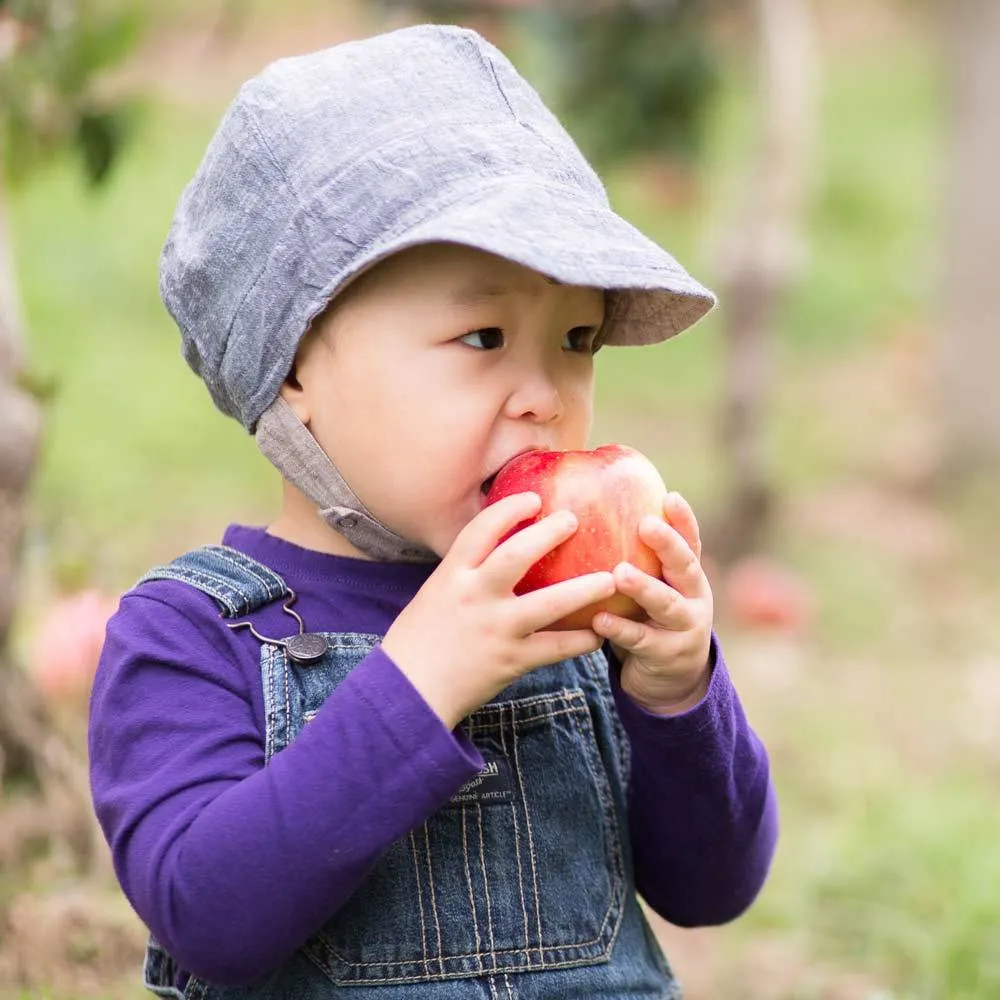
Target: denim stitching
column 468, row 881
column 531, row 850
column 280, row 726
column 352, row 640
column 517, row 851
column 434, row 960
column 433, row 977
column 195, row 567
column 216, row 587
column 420, row 901
column 610, row 828
column 532, row 720
column 250, row 566
column 234, row 599
column 430, row 883
column 267, row 672
column 229, row 595
column 195, row 989
column 523, row 707
column 606, row 802
column 285, row 675
column 486, row 887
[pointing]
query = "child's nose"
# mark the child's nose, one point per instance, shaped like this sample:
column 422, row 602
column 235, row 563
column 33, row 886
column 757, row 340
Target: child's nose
column 536, row 397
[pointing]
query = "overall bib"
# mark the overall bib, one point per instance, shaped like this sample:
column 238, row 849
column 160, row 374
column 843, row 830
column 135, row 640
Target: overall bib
column 521, row 886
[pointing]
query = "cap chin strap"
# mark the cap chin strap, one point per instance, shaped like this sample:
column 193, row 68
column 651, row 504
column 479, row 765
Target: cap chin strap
column 289, row 446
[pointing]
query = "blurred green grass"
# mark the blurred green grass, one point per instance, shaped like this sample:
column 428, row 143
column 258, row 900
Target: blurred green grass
column 132, row 442
column 889, row 851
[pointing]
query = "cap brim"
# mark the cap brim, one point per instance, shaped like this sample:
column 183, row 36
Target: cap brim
column 554, row 232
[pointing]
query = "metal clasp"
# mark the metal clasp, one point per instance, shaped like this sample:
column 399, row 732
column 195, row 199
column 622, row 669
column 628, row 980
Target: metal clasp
column 305, row 648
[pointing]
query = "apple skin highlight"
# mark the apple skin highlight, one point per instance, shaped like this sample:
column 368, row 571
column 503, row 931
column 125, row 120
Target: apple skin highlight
column 610, row 490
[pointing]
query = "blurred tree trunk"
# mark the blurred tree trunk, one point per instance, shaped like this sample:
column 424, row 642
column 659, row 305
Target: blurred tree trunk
column 51, row 51
column 32, row 751
column 970, row 347
column 760, row 260
column 21, row 423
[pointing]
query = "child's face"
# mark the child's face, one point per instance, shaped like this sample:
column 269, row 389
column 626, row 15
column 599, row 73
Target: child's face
column 437, row 367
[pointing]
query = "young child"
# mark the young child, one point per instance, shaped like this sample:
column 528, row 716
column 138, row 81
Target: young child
column 337, row 756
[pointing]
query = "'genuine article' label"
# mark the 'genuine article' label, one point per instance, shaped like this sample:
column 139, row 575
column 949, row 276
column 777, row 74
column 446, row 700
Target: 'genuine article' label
column 493, row 785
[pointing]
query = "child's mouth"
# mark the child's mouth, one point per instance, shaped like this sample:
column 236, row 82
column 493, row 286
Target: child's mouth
column 487, row 483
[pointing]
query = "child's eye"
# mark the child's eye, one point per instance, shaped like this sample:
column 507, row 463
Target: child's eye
column 581, row 340
column 489, row 339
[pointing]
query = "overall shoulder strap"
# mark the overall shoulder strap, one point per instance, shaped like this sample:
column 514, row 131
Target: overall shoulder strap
column 238, row 583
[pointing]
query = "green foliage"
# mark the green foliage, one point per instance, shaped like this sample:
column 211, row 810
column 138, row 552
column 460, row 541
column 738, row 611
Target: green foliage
column 632, row 80
column 48, row 97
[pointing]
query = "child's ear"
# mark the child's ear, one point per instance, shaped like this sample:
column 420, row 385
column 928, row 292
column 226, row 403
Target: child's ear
column 294, row 394
column 293, row 390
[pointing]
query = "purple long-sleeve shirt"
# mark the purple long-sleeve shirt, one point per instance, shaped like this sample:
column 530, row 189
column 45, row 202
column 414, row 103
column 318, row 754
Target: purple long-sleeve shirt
column 232, row 865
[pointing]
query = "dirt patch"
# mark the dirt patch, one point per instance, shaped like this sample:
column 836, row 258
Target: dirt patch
column 71, row 942
column 709, row 964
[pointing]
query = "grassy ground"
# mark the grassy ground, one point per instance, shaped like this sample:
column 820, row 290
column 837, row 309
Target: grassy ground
column 881, row 721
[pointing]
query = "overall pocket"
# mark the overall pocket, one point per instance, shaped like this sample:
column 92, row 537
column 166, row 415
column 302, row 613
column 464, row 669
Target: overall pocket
column 522, row 870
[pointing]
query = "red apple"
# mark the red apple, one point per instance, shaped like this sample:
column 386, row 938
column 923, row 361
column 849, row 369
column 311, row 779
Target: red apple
column 759, row 593
column 610, row 490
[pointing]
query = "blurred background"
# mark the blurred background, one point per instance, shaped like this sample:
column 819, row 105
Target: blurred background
column 829, row 167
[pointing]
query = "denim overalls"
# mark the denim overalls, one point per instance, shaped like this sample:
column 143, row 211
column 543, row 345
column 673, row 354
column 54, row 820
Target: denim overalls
column 520, row 887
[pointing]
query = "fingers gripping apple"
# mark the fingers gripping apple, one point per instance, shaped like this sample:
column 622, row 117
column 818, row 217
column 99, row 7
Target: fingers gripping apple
column 610, row 490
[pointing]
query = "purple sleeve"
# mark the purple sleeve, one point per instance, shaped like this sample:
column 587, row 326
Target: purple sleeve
column 702, row 810
column 232, row 865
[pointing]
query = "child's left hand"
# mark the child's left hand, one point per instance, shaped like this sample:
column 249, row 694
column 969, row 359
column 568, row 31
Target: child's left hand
column 664, row 659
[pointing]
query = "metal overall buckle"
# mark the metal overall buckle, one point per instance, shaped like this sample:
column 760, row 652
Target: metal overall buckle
column 305, row 648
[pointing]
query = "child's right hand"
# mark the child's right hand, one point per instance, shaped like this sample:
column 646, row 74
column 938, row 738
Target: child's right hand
column 465, row 635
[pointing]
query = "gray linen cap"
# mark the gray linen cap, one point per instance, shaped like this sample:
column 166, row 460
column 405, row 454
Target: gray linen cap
column 329, row 162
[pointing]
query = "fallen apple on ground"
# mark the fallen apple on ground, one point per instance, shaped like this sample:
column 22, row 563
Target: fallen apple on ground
column 66, row 646
column 610, row 490
column 760, row 593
